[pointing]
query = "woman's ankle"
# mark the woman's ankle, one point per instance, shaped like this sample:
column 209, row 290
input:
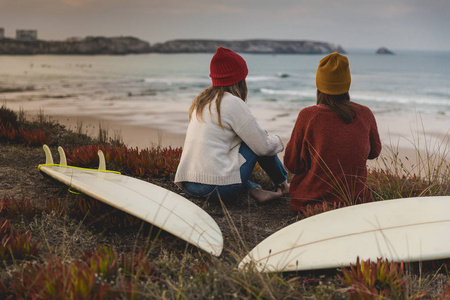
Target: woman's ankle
column 284, row 186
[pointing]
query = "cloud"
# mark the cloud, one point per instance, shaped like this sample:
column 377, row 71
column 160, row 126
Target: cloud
column 77, row 3
column 192, row 7
column 397, row 10
column 291, row 12
column 99, row 3
column 351, row 23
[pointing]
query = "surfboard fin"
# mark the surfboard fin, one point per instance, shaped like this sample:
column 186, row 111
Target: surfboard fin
column 48, row 155
column 62, row 156
column 101, row 161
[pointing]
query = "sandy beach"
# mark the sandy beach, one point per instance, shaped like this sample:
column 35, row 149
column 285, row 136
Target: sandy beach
column 401, row 134
column 140, row 136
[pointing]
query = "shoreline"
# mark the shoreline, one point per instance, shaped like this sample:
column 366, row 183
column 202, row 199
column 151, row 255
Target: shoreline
column 393, row 129
column 139, row 136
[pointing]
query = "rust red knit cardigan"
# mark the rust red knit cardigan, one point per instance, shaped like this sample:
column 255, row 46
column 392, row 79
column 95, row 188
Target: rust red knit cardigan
column 328, row 157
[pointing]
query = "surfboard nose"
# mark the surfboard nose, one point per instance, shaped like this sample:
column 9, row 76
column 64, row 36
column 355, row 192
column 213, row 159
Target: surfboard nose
column 212, row 243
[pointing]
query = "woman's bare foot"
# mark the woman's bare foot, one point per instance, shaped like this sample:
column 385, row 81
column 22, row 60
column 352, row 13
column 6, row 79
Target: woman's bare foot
column 263, row 196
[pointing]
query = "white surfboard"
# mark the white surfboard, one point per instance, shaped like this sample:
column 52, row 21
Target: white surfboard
column 161, row 207
column 409, row 229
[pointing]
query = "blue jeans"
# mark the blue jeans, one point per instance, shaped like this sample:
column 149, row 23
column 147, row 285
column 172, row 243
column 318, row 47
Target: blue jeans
column 270, row 164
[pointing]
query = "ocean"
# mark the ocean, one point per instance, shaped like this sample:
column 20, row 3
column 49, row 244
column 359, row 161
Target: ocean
column 156, row 90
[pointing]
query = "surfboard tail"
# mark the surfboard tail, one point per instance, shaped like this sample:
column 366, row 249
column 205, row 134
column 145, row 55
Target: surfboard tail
column 48, row 155
column 62, row 156
column 151, row 203
column 102, row 161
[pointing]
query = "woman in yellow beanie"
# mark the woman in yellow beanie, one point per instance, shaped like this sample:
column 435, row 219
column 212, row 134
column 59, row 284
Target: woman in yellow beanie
column 331, row 142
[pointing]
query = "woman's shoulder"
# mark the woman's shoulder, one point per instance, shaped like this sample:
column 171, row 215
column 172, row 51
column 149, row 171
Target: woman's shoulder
column 230, row 98
column 362, row 108
column 312, row 114
column 359, row 106
column 313, row 110
column 231, row 102
column 364, row 113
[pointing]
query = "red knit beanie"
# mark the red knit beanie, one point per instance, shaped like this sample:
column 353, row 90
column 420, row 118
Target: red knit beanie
column 227, row 68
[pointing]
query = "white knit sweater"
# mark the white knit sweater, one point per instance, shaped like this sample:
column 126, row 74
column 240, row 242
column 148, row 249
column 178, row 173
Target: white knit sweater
column 211, row 154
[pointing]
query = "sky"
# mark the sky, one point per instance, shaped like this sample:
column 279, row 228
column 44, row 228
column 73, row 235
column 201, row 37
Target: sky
column 364, row 24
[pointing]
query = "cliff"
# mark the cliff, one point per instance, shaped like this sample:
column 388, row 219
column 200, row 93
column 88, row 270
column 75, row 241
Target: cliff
column 247, row 46
column 89, row 45
column 127, row 45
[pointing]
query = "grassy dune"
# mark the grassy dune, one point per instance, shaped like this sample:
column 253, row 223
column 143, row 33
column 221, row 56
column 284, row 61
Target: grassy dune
column 58, row 245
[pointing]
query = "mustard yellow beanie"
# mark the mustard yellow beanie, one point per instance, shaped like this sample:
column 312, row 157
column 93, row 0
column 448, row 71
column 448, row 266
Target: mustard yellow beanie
column 333, row 74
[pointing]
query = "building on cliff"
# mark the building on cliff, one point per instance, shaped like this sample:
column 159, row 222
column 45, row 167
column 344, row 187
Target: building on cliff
column 2, row 33
column 26, row 35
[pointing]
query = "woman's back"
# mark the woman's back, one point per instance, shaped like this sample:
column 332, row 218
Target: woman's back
column 329, row 157
column 213, row 149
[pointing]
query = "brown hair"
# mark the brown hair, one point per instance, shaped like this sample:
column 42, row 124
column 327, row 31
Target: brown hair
column 216, row 92
column 340, row 104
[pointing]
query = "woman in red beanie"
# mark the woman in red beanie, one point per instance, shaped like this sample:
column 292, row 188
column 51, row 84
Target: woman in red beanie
column 224, row 141
column 331, row 142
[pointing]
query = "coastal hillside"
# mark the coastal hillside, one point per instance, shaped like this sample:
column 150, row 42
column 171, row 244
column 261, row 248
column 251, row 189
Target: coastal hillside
column 88, row 45
column 57, row 243
column 130, row 45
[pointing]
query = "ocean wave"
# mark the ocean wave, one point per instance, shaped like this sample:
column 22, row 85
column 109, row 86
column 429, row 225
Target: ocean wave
column 306, row 93
column 442, row 93
column 171, row 81
column 389, row 100
column 261, row 78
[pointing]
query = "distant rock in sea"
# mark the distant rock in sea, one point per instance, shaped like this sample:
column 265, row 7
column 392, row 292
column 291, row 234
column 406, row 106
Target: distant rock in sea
column 247, row 46
column 283, row 75
column 384, row 50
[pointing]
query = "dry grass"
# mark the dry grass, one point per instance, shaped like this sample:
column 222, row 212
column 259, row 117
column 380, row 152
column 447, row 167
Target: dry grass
column 425, row 174
column 178, row 270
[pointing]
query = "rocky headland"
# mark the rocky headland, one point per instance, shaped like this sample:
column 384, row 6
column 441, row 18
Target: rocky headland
column 130, row 45
column 247, row 46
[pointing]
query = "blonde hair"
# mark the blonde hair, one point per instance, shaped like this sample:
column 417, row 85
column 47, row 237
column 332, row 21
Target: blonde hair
column 216, row 92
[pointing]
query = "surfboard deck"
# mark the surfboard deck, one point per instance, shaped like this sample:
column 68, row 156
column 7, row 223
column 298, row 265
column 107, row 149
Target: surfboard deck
column 154, row 204
column 408, row 229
